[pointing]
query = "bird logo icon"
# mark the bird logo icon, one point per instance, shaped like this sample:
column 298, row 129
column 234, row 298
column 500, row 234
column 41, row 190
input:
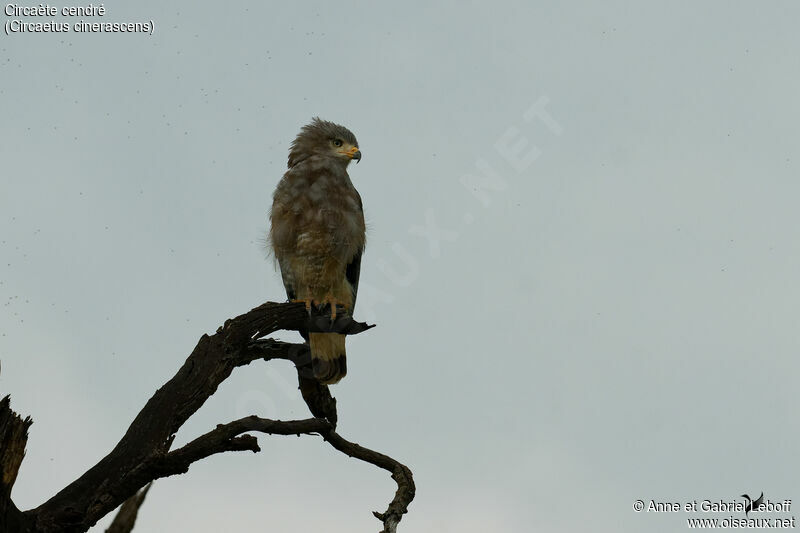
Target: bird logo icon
column 752, row 505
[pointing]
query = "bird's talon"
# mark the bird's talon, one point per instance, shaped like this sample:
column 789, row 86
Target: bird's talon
column 332, row 302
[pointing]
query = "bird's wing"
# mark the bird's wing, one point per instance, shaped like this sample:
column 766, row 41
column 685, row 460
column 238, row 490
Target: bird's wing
column 352, row 274
column 353, row 271
column 291, row 293
column 759, row 501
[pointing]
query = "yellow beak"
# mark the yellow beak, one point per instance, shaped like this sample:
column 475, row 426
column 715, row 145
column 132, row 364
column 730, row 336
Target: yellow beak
column 354, row 153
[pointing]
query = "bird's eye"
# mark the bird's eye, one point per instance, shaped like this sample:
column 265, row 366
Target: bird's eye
column 337, row 142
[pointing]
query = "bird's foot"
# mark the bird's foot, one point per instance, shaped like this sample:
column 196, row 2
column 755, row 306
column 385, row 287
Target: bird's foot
column 328, row 299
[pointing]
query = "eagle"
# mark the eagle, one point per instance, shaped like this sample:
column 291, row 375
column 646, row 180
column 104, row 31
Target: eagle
column 317, row 233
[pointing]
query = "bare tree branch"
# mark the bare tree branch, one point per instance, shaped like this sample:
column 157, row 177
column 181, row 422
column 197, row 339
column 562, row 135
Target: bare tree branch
column 13, row 437
column 316, row 395
column 143, row 454
column 126, row 516
column 400, row 473
column 225, row 438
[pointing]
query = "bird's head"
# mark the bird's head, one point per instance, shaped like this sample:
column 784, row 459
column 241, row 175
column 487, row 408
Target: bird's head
column 325, row 139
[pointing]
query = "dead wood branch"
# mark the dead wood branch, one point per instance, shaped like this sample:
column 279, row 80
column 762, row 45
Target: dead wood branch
column 126, row 516
column 143, row 454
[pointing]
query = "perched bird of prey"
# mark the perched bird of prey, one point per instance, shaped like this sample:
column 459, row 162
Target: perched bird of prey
column 317, row 233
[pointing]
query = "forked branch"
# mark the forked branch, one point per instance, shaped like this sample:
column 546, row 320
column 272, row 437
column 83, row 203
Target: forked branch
column 143, row 454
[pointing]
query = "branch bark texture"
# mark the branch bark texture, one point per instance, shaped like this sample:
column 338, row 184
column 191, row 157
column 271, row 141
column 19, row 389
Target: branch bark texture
column 143, row 454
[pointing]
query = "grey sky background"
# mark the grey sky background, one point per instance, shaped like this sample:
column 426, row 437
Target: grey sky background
column 613, row 317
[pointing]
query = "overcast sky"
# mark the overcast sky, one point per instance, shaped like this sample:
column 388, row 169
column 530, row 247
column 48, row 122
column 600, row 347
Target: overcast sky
column 583, row 251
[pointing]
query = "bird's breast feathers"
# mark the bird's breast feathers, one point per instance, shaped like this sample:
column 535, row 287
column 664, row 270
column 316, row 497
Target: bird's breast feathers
column 317, row 213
